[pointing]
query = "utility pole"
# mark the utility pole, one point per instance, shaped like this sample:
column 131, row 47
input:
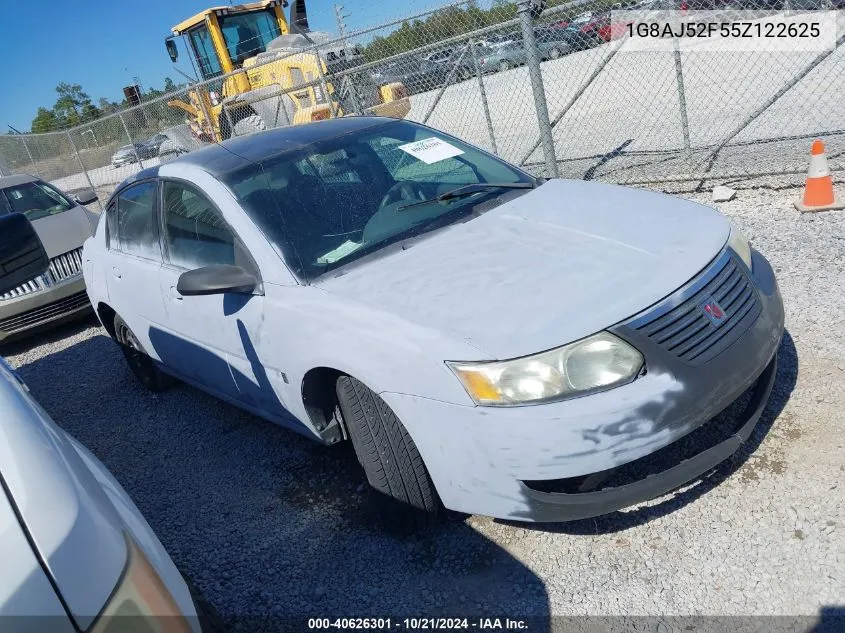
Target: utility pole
column 347, row 81
column 341, row 24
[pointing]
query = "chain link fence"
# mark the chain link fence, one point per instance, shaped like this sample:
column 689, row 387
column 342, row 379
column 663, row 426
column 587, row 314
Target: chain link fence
column 563, row 93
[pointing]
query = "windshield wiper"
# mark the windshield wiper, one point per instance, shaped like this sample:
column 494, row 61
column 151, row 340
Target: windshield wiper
column 468, row 190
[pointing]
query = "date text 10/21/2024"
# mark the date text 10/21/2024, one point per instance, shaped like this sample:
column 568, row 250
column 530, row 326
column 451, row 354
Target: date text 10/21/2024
column 418, row 624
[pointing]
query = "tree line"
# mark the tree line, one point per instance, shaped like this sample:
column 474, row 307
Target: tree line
column 74, row 107
column 446, row 23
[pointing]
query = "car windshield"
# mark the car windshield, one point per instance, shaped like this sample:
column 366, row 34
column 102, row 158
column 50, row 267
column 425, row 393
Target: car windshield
column 353, row 195
column 35, row 200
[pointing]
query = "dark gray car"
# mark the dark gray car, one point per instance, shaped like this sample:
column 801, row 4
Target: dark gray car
column 63, row 225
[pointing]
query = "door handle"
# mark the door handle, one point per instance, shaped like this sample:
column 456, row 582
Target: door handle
column 174, row 294
column 116, row 272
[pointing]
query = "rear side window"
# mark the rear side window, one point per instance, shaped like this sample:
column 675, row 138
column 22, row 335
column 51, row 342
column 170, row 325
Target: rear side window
column 132, row 223
column 195, row 232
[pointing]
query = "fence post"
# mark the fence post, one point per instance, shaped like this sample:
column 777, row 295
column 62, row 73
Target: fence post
column 682, row 98
column 540, row 105
column 28, row 153
column 484, row 104
column 131, row 143
column 82, row 166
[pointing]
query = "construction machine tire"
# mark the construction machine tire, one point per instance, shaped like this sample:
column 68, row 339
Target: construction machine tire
column 249, row 125
column 244, row 120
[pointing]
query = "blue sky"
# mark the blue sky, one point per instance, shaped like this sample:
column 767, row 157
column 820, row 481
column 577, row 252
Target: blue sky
column 102, row 44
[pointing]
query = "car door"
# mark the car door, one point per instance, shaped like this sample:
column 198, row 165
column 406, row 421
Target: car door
column 133, row 258
column 210, row 340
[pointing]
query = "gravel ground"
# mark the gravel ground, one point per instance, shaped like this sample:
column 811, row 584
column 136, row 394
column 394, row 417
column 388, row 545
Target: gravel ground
column 270, row 526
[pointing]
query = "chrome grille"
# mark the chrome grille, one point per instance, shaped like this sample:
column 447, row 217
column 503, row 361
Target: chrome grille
column 62, row 267
column 687, row 332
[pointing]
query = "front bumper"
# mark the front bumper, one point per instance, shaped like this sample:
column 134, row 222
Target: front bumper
column 536, row 463
column 47, row 307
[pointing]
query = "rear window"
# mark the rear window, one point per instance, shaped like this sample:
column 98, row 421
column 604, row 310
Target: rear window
column 35, row 200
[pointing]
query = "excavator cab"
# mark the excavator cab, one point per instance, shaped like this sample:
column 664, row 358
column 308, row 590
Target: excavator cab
column 270, row 75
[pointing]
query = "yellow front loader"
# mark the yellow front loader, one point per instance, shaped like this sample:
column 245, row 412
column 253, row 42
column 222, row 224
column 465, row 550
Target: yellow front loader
column 270, row 74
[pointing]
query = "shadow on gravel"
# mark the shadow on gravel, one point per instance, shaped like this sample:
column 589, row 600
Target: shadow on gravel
column 831, row 620
column 787, row 374
column 270, row 527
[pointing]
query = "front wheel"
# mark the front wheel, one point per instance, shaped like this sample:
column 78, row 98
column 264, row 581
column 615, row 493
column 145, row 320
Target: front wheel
column 504, row 65
column 554, row 53
column 144, row 367
column 407, row 500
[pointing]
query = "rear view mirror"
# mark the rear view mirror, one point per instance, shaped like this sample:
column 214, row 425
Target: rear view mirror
column 86, row 196
column 22, row 255
column 170, row 45
column 215, row 280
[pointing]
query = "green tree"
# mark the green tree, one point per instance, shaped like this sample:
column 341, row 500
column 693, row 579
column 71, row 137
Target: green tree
column 73, row 105
column 45, row 121
column 169, row 86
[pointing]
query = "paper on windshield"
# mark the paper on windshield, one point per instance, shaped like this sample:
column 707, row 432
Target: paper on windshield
column 340, row 252
column 431, row 150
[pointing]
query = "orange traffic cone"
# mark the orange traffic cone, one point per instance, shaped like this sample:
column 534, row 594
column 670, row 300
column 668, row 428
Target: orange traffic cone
column 818, row 190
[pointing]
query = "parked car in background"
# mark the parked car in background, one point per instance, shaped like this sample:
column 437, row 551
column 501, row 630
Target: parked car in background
column 551, row 44
column 418, row 75
column 172, row 146
column 336, row 278
column 441, row 56
column 63, row 224
column 153, row 144
column 76, row 551
column 503, row 39
column 502, row 58
column 132, row 154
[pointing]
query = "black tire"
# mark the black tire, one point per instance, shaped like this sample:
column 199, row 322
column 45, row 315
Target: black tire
column 504, row 65
column 406, row 498
column 251, row 122
column 144, row 368
column 554, row 53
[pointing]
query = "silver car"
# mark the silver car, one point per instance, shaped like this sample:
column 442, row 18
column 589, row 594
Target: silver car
column 63, row 224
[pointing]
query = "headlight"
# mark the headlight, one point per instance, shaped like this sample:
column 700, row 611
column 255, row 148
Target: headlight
column 739, row 244
column 143, row 595
column 595, row 363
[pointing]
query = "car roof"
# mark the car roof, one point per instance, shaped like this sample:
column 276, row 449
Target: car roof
column 222, row 158
column 17, row 179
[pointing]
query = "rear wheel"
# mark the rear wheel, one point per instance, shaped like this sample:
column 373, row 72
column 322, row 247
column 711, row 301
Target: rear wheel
column 504, row 65
column 407, row 500
column 554, row 53
column 139, row 362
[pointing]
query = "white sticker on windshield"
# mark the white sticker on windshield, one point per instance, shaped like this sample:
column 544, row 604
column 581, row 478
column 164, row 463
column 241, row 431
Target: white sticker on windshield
column 340, row 252
column 431, row 150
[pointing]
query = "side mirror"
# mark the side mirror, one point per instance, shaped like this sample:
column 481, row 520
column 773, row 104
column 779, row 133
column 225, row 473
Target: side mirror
column 22, row 255
column 215, row 280
column 170, row 45
column 86, row 196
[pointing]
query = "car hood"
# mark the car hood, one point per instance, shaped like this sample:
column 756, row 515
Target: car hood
column 557, row 264
column 64, row 231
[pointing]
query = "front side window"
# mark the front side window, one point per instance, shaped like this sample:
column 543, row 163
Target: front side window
column 248, row 34
column 204, row 52
column 195, row 233
column 134, row 230
column 345, row 197
column 35, row 200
